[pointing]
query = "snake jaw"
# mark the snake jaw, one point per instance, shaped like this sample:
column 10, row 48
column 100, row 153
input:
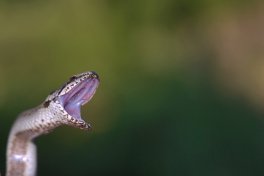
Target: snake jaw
column 78, row 91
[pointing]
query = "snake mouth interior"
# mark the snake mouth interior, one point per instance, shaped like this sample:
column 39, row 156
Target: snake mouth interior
column 78, row 96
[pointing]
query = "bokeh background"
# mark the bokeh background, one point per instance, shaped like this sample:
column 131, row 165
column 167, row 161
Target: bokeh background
column 182, row 84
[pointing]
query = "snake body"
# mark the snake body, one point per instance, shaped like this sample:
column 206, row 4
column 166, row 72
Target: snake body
column 61, row 107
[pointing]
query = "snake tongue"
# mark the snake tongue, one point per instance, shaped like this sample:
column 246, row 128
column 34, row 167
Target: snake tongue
column 78, row 96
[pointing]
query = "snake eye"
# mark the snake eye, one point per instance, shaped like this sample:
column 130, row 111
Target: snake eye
column 72, row 78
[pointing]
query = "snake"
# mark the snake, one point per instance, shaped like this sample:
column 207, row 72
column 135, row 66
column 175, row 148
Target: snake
column 61, row 107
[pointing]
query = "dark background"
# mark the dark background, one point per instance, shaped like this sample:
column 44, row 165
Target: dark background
column 181, row 88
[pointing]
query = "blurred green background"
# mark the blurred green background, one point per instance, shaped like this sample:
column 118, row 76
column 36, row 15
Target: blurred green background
column 181, row 84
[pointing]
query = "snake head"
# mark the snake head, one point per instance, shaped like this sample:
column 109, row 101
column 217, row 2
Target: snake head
column 78, row 91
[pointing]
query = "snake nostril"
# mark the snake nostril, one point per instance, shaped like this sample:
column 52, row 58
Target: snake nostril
column 94, row 75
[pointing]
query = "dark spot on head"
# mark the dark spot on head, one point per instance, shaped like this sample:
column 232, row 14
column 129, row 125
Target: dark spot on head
column 46, row 104
column 72, row 78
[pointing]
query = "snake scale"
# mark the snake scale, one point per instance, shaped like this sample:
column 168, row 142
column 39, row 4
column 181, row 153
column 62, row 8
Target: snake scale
column 61, row 107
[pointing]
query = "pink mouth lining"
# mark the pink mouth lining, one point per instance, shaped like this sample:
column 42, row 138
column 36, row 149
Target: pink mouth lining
column 78, row 96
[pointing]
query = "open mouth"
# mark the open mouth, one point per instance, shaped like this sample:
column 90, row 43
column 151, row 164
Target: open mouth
column 79, row 95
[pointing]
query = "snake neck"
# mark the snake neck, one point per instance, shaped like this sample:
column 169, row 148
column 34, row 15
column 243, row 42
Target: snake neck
column 21, row 152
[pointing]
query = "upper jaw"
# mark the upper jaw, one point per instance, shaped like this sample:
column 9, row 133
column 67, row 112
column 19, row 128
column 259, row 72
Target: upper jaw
column 78, row 91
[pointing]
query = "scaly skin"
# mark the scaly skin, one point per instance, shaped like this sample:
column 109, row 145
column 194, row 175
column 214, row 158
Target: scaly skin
column 21, row 151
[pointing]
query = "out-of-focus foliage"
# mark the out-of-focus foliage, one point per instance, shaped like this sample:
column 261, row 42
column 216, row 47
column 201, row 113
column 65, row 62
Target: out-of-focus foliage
column 181, row 84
